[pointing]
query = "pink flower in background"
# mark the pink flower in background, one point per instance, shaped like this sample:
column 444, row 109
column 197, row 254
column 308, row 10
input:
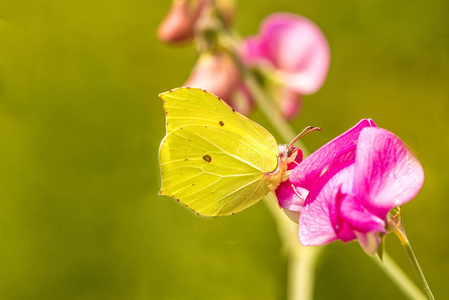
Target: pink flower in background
column 179, row 24
column 345, row 189
column 298, row 52
column 181, row 21
column 218, row 74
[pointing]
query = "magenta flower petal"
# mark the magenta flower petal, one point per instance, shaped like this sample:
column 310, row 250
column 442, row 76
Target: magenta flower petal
column 319, row 217
column 339, row 149
column 357, row 216
column 387, row 173
column 291, row 104
column 293, row 45
column 315, row 226
column 252, row 52
column 289, row 197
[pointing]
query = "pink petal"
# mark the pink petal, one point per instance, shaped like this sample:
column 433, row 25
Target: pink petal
column 252, row 52
column 215, row 73
column 290, row 199
column 358, row 217
column 178, row 25
column 319, row 219
column 218, row 74
column 290, row 104
column 184, row 16
column 387, row 173
column 315, row 226
column 336, row 151
column 296, row 47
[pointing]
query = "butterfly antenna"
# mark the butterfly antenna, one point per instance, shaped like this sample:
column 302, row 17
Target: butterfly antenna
column 303, row 133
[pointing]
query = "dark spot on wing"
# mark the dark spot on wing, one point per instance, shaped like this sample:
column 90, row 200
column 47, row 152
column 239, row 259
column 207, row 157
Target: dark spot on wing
column 207, row 158
column 221, row 123
column 186, row 159
column 233, row 110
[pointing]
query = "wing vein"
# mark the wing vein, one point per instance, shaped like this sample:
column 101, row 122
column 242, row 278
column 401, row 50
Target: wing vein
column 233, row 192
column 225, row 152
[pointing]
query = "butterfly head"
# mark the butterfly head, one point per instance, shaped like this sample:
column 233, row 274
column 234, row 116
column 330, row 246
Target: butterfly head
column 287, row 154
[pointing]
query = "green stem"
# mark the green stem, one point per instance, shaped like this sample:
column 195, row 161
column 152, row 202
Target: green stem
column 302, row 272
column 269, row 109
column 398, row 277
column 301, row 260
column 412, row 258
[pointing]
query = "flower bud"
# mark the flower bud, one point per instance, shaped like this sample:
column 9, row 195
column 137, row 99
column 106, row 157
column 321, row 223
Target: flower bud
column 218, row 74
column 179, row 24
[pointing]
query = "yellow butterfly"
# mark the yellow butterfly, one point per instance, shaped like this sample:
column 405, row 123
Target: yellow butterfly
column 214, row 160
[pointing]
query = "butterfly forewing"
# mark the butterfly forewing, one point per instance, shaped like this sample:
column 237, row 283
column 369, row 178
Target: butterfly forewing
column 192, row 106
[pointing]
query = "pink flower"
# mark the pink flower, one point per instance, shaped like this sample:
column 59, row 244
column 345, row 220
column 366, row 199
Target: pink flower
column 179, row 24
column 182, row 20
column 218, row 74
column 298, row 52
column 345, row 189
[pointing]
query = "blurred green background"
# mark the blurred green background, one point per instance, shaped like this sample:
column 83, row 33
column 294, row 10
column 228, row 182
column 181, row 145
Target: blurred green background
column 81, row 123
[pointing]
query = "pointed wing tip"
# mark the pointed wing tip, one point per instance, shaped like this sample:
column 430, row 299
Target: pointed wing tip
column 177, row 89
column 164, row 94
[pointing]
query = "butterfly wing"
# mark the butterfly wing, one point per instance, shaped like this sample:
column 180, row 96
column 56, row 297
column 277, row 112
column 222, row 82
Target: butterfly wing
column 213, row 159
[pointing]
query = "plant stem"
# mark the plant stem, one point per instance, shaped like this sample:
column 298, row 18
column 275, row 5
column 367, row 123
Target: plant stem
column 398, row 277
column 302, row 272
column 270, row 111
column 301, row 260
column 412, row 258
